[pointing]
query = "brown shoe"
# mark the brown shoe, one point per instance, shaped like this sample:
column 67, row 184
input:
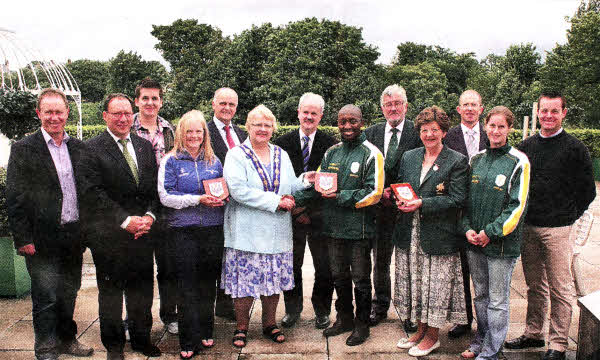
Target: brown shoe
column 76, row 348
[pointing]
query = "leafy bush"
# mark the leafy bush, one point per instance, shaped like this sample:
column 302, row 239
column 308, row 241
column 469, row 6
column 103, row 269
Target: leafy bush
column 17, row 113
column 91, row 113
column 3, row 211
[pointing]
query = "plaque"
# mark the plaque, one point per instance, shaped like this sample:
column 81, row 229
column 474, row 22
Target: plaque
column 326, row 183
column 216, row 187
column 404, row 192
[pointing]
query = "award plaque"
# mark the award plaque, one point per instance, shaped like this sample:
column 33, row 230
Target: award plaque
column 404, row 191
column 326, row 183
column 216, row 187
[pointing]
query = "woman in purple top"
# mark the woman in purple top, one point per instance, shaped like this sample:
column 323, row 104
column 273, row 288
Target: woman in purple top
column 196, row 221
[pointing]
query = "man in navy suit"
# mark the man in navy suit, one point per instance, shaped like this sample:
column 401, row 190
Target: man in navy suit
column 306, row 147
column 43, row 211
column 392, row 138
column 468, row 138
column 224, row 135
column 120, row 205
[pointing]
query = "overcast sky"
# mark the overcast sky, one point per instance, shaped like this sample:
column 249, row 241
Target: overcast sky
column 99, row 29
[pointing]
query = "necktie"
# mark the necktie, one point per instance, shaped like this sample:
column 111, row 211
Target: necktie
column 305, row 152
column 130, row 160
column 472, row 146
column 390, row 157
column 230, row 141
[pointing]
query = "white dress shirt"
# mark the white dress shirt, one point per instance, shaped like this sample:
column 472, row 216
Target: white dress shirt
column 221, row 127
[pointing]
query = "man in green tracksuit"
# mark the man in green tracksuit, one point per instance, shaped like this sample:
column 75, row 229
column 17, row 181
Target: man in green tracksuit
column 349, row 221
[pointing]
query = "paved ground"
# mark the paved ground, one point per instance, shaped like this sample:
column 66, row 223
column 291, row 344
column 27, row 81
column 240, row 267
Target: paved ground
column 303, row 341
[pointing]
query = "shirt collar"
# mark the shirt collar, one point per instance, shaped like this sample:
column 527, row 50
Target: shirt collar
column 49, row 139
column 220, row 125
column 160, row 122
column 388, row 127
column 311, row 136
column 553, row 135
column 117, row 139
column 466, row 129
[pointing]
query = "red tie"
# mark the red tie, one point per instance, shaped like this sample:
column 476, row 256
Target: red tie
column 230, row 141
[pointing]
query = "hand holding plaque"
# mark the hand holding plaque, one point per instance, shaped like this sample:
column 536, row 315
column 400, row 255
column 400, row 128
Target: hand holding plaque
column 404, row 192
column 326, row 183
column 216, row 187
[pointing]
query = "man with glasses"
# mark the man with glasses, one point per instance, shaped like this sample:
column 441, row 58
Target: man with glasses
column 392, row 138
column 120, row 203
column 468, row 138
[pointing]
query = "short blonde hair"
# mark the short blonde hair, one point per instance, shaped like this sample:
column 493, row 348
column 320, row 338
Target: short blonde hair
column 259, row 112
column 187, row 119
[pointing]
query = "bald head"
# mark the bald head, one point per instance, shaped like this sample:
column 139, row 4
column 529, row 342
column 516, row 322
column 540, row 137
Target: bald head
column 225, row 104
column 470, row 108
column 349, row 122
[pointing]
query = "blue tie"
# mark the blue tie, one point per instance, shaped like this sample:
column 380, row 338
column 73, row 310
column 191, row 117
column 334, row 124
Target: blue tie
column 305, row 152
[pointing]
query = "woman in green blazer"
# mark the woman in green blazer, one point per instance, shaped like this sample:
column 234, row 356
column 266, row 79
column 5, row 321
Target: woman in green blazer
column 429, row 286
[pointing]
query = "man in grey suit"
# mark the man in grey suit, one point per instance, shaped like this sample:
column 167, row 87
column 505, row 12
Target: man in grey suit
column 223, row 136
column 392, row 138
column 468, row 138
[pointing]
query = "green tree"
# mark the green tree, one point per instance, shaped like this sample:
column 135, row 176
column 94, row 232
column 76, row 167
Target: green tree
column 525, row 62
column 17, row 113
column 127, row 69
column 91, row 77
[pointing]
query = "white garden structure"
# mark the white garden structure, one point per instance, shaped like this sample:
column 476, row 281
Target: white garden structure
column 24, row 68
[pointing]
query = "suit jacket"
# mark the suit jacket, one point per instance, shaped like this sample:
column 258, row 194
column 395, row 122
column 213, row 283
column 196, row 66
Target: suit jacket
column 290, row 142
column 409, row 139
column 34, row 195
column 109, row 191
column 444, row 194
column 216, row 140
column 455, row 140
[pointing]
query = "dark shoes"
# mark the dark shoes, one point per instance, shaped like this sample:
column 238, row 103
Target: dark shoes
column 339, row 327
column 115, row 355
column 359, row 334
column 47, row 356
column 290, row 319
column 523, row 342
column 458, row 331
column 409, row 327
column 149, row 349
column 554, row 355
column 376, row 318
column 322, row 321
column 75, row 348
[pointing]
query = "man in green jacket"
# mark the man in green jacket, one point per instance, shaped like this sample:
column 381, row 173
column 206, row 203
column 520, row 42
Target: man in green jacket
column 349, row 222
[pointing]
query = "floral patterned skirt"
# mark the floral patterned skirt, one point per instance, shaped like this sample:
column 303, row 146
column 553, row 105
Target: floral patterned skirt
column 245, row 273
column 428, row 288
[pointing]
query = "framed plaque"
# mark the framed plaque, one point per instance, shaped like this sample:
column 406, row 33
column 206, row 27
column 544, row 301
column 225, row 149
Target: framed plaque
column 216, row 187
column 326, row 183
column 404, row 191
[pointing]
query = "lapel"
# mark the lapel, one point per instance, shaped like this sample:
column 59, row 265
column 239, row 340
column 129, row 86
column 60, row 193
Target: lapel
column 217, row 141
column 440, row 161
column 111, row 147
column 482, row 138
column 240, row 133
column 380, row 137
column 46, row 157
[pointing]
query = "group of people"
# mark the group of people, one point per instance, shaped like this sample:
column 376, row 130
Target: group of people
column 140, row 190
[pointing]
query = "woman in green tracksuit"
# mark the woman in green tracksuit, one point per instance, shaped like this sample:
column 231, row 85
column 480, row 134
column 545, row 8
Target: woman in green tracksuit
column 492, row 225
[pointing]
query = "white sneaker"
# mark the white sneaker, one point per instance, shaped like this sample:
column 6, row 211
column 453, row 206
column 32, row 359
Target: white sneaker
column 415, row 351
column 173, row 328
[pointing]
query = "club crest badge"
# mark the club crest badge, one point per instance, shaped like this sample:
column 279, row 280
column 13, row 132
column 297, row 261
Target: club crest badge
column 354, row 167
column 500, row 180
column 440, row 188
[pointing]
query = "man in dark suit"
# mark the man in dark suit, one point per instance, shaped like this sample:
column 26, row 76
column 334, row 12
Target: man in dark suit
column 43, row 211
column 120, row 201
column 392, row 138
column 306, row 147
column 223, row 136
column 468, row 138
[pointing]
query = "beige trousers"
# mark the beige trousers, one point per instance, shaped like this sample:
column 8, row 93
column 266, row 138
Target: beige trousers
column 546, row 256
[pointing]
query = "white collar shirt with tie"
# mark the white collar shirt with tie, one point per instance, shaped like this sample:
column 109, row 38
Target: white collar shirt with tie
column 221, row 126
column 471, row 137
column 311, row 140
column 388, row 135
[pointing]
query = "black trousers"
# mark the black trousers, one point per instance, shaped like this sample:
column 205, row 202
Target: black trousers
column 55, row 281
column 383, row 248
column 464, row 264
column 322, row 292
column 166, row 274
column 350, row 262
column 198, row 258
column 124, row 268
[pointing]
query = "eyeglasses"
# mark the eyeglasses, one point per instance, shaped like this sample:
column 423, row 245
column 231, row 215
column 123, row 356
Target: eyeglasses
column 467, row 105
column 391, row 104
column 118, row 115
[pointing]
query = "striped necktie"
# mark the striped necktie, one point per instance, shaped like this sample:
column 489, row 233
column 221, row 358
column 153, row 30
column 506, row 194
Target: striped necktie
column 130, row 161
column 390, row 156
column 305, row 153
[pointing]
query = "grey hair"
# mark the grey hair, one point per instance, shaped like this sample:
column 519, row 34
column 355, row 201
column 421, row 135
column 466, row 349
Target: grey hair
column 393, row 89
column 309, row 95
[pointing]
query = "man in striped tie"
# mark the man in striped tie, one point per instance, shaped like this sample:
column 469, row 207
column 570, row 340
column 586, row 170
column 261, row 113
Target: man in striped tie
column 306, row 147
